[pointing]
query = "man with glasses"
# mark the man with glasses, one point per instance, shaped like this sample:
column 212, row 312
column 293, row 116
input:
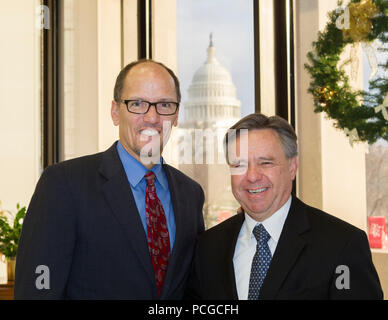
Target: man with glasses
column 120, row 224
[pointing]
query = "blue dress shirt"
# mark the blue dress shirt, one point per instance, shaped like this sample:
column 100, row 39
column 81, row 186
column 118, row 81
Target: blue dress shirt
column 135, row 172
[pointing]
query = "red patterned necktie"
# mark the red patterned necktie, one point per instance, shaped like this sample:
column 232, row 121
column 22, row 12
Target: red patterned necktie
column 158, row 237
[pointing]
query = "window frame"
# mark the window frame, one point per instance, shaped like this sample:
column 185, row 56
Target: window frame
column 285, row 97
column 50, row 86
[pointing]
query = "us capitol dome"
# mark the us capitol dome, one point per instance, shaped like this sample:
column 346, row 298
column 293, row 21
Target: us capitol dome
column 212, row 101
column 211, row 109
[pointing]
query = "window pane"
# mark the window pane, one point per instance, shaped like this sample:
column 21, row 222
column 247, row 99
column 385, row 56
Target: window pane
column 377, row 158
column 215, row 54
column 231, row 24
column 377, row 179
column 92, row 54
column 79, row 65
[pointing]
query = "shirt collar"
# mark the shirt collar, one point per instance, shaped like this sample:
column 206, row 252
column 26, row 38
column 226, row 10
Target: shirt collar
column 158, row 170
column 135, row 170
column 273, row 224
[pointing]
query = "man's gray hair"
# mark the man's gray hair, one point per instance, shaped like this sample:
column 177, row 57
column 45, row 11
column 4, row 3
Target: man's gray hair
column 258, row 121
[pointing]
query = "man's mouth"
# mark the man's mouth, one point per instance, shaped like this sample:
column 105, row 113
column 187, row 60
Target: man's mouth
column 149, row 132
column 257, row 191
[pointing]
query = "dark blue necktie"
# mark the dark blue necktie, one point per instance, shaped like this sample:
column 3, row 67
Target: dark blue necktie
column 260, row 262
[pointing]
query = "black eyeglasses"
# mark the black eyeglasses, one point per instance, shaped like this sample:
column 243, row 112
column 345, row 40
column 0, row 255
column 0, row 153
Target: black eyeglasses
column 164, row 108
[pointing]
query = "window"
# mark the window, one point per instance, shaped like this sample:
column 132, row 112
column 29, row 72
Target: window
column 331, row 171
column 97, row 39
column 376, row 159
column 215, row 63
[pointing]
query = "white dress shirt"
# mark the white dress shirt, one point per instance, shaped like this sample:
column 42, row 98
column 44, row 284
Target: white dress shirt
column 246, row 245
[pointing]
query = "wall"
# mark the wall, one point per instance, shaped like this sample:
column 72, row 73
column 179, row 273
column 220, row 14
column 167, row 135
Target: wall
column 19, row 105
column 331, row 171
column 343, row 166
column 308, row 123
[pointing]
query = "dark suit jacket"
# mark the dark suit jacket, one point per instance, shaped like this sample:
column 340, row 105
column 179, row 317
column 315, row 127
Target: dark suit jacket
column 311, row 247
column 83, row 224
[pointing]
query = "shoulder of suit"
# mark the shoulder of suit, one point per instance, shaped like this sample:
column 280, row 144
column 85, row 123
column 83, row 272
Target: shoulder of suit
column 227, row 227
column 328, row 223
column 321, row 223
column 76, row 165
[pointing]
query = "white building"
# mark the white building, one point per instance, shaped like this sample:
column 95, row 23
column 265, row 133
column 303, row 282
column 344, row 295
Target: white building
column 211, row 109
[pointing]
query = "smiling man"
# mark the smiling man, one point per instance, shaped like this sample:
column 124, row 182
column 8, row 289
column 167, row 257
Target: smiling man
column 120, row 224
column 277, row 247
column 144, row 126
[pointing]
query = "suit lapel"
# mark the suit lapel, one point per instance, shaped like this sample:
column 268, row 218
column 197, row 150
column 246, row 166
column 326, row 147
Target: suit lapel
column 289, row 248
column 118, row 194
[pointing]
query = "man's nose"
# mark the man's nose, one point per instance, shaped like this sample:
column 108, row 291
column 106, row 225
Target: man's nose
column 254, row 173
column 151, row 116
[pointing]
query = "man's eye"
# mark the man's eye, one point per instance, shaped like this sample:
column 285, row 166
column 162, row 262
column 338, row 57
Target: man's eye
column 136, row 104
column 164, row 104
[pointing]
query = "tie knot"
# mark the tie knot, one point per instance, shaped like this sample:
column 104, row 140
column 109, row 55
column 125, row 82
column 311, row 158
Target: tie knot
column 261, row 235
column 150, row 178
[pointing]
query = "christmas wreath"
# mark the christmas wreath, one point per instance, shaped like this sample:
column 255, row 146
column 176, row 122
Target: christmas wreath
column 362, row 115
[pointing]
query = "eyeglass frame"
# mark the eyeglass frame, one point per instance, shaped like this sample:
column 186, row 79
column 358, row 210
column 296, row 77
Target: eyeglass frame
column 150, row 104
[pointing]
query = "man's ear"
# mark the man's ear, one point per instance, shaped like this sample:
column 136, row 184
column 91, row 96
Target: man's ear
column 293, row 166
column 114, row 112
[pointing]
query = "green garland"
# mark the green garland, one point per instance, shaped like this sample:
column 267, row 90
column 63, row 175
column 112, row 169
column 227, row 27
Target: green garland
column 362, row 121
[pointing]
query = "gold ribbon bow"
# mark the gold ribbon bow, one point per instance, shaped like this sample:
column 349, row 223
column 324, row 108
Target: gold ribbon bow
column 360, row 24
